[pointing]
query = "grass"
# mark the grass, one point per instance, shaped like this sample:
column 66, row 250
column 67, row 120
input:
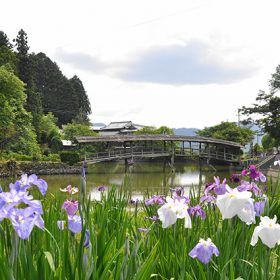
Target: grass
column 119, row 251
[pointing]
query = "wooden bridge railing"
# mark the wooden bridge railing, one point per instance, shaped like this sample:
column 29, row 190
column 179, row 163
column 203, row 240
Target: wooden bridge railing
column 148, row 151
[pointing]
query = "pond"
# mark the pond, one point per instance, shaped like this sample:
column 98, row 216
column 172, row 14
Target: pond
column 141, row 178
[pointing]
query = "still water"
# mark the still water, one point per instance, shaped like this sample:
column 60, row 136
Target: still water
column 141, row 178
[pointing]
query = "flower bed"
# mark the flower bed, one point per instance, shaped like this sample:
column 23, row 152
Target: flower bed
column 229, row 232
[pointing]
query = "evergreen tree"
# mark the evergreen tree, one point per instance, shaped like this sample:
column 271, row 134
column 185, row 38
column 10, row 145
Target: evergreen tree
column 4, row 41
column 84, row 108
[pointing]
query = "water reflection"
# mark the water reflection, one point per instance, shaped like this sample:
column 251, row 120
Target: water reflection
column 143, row 178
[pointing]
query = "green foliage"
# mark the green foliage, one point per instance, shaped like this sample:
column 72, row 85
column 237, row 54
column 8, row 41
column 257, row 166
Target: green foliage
column 8, row 58
column 75, row 129
column 268, row 142
column 228, row 131
column 16, row 131
column 257, row 149
column 266, row 112
column 119, row 251
column 4, row 40
column 70, row 157
column 154, row 130
column 66, row 99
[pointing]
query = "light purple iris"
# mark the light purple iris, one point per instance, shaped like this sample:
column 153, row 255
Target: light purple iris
column 217, row 187
column 134, row 201
column 23, row 221
column 28, row 181
column 101, row 188
column 244, row 186
column 70, row 206
column 155, row 199
column 75, row 223
column 259, row 207
column 197, row 211
column 208, row 198
column 204, row 251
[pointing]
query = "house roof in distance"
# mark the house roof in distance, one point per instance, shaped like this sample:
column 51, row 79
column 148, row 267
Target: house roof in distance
column 118, row 125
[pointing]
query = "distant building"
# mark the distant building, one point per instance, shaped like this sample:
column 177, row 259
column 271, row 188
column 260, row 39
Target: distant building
column 114, row 128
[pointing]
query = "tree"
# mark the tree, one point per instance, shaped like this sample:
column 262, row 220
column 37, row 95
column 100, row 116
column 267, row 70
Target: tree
column 268, row 142
column 16, row 131
column 66, row 99
column 266, row 112
column 82, row 100
column 228, row 131
column 48, row 129
column 154, row 130
column 73, row 129
column 4, row 40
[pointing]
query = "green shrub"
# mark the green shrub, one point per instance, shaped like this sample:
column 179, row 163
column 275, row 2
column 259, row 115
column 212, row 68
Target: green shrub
column 69, row 157
column 51, row 157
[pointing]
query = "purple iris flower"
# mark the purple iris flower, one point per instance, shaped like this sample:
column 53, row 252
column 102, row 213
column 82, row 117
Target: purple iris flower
column 23, row 221
column 244, row 172
column 70, row 206
column 87, row 239
column 179, row 191
column 244, row 186
column 255, row 189
column 143, row 230
column 259, row 207
column 155, row 199
column 26, row 182
column 208, row 199
column 204, row 250
column 220, row 188
column 134, row 201
column 75, row 223
column 235, row 178
column 197, row 211
column 217, row 187
column 101, row 188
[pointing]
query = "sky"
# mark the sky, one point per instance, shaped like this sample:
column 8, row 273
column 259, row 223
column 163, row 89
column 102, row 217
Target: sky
column 156, row 62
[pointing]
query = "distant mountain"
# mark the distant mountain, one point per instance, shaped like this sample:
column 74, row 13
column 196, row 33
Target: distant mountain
column 98, row 124
column 185, row 131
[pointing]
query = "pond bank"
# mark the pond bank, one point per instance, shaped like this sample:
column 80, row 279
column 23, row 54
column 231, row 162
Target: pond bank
column 37, row 167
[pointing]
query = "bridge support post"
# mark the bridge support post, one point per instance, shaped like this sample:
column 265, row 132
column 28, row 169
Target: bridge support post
column 125, row 165
column 172, row 156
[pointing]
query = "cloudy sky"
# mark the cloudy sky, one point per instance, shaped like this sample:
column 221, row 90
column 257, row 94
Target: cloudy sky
column 176, row 63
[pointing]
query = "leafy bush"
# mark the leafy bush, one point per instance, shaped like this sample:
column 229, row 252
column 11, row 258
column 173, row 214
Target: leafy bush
column 51, row 157
column 69, row 157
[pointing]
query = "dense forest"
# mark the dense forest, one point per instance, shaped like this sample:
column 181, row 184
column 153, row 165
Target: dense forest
column 36, row 99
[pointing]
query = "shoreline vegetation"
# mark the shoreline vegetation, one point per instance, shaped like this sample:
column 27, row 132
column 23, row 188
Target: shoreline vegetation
column 227, row 230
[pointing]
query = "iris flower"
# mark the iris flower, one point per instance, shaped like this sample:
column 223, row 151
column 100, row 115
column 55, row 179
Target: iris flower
column 70, row 206
column 204, row 251
column 268, row 231
column 70, row 189
column 237, row 203
column 172, row 210
column 75, row 223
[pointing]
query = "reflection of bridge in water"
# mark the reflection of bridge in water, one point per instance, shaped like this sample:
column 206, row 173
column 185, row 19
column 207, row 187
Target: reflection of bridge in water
column 168, row 147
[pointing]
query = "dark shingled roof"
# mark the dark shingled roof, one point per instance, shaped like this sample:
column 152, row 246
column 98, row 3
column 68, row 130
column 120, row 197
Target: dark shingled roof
column 157, row 137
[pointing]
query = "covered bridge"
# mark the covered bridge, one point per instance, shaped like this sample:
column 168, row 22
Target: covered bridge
column 161, row 145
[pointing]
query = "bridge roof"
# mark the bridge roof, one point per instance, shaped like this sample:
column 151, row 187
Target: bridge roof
column 156, row 137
